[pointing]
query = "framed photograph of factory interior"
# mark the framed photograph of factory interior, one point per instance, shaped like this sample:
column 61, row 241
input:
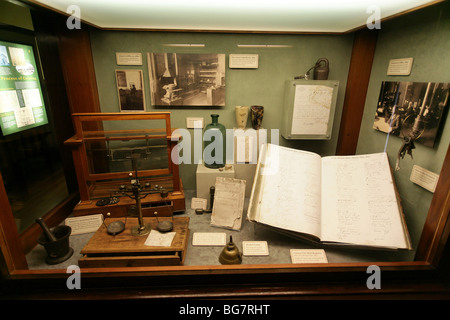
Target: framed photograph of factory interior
column 130, row 90
column 412, row 109
column 187, row 80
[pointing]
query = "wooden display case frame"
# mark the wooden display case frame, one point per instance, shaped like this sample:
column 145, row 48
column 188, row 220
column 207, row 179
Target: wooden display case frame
column 88, row 127
column 427, row 276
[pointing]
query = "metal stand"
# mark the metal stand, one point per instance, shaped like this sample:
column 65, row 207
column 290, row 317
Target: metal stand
column 142, row 229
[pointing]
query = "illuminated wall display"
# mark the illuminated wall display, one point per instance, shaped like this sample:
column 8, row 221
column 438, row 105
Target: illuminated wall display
column 21, row 102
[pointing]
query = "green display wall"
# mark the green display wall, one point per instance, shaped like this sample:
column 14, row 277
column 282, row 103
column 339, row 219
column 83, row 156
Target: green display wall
column 421, row 35
column 244, row 87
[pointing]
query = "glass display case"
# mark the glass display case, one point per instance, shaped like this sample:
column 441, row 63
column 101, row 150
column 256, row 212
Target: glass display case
column 114, row 151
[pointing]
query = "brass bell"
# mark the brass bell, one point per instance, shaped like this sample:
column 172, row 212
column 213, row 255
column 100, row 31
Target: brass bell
column 230, row 254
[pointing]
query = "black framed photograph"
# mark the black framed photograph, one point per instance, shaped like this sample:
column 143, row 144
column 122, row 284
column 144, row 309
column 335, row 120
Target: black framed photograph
column 130, row 89
column 187, row 80
column 413, row 109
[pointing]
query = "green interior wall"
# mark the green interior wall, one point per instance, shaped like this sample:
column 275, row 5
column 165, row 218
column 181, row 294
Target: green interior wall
column 423, row 35
column 262, row 86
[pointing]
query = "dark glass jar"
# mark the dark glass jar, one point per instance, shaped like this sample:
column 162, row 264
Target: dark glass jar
column 214, row 144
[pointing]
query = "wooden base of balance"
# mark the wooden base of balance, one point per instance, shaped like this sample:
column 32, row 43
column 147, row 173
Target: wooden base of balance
column 129, row 250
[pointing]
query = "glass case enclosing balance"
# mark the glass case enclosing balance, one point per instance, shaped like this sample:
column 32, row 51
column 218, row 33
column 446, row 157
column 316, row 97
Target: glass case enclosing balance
column 113, row 152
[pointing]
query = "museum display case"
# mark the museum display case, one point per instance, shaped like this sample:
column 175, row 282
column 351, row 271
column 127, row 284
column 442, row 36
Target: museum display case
column 109, row 159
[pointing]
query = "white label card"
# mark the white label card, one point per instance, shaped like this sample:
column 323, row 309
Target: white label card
column 158, row 239
column 424, row 178
column 198, row 203
column 245, row 61
column 84, row 224
column 129, row 58
column 400, row 67
column 255, row 248
column 209, row 239
column 308, row 256
column 194, row 123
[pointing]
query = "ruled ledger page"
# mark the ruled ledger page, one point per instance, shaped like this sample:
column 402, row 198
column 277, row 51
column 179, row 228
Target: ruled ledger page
column 359, row 204
column 290, row 199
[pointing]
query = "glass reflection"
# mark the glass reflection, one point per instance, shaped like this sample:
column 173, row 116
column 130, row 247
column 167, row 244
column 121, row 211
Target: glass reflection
column 33, row 174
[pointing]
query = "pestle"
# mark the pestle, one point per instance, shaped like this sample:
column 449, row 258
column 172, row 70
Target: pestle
column 212, row 191
column 50, row 236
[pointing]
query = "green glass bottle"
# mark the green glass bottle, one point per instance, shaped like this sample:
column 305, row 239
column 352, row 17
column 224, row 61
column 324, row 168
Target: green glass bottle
column 214, row 144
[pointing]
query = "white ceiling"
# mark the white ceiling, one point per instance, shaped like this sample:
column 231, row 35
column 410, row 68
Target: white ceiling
column 234, row 15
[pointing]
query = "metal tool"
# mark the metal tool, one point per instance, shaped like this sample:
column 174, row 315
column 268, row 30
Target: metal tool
column 406, row 148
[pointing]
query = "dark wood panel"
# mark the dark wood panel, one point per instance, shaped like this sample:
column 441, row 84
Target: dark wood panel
column 78, row 68
column 436, row 228
column 355, row 93
column 47, row 42
column 10, row 244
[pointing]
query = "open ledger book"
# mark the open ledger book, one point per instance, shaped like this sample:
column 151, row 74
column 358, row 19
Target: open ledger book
column 339, row 200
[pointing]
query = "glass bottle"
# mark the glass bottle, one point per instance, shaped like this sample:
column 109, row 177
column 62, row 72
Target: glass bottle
column 214, row 144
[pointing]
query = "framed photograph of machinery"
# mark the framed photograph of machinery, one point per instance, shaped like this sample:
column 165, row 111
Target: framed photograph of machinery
column 111, row 159
column 411, row 109
column 130, row 90
column 187, row 80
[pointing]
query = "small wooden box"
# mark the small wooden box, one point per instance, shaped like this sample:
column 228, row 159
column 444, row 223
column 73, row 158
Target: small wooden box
column 127, row 250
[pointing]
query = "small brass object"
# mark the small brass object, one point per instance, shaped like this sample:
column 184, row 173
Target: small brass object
column 141, row 230
column 163, row 226
column 230, row 254
column 115, row 227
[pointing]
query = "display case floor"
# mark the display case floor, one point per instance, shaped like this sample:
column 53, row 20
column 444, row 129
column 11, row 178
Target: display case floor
column 279, row 245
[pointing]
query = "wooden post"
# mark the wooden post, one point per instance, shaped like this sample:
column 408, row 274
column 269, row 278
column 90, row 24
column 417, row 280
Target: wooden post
column 355, row 93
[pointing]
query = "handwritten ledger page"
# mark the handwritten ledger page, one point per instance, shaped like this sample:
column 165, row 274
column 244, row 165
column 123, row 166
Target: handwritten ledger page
column 291, row 196
column 359, row 203
column 337, row 199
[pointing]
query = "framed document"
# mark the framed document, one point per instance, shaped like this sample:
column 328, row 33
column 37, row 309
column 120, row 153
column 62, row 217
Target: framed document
column 309, row 109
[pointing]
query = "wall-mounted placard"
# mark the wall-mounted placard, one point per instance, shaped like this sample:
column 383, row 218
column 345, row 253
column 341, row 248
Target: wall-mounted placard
column 22, row 105
column 309, row 108
column 244, row 61
column 400, row 67
column 129, row 58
